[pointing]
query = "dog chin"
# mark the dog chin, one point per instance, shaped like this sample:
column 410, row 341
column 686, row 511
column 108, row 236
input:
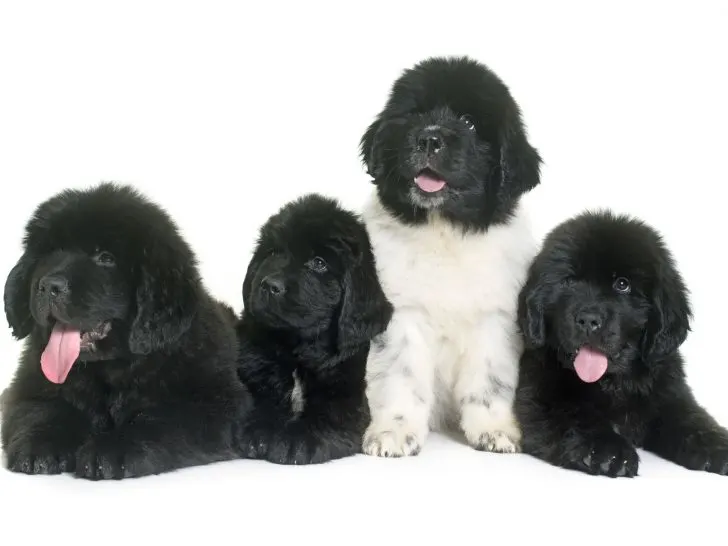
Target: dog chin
column 428, row 201
column 267, row 315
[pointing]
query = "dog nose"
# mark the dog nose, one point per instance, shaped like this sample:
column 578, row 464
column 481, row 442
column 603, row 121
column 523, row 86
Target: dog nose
column 589, row 321
column 430, row 143
column 273, row 285
column 53, row 285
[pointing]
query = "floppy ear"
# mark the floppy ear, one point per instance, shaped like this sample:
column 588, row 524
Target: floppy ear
column 166, row 298
column 669, row 319
column 365, row 310
column 531, row 319
column 520, row 163
column 249, row 274
column 369, row 152
column 17, row 297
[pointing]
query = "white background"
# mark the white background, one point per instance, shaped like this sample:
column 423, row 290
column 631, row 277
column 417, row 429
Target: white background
column 223, row 111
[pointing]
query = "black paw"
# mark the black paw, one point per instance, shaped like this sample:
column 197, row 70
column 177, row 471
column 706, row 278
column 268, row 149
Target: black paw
column 708, row 452
column 606, row 455
column 296, row 451
column 101, row 458
column 39, row 458
column 254, row 446
column 287, row 452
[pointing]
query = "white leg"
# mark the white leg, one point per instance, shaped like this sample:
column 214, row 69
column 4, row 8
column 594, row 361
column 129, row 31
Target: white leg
column 486, row 385
column 399, row 389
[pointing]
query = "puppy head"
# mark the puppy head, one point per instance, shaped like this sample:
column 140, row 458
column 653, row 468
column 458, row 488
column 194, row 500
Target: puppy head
column 103, row 274
column 450, row 140
column 313, row 274
column 604, row 291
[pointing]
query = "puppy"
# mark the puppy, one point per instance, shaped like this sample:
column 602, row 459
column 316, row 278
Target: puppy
column 450, row 161
column 129, row 365
column 604, row 312
column 312, row 304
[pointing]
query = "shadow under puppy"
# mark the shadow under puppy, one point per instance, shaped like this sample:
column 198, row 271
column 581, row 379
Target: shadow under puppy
column 604, row 312
column 312, row 305
column 129, row 365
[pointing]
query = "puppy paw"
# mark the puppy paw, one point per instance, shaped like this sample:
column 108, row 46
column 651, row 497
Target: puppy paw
column 254, row 440
column 101, row 458
column 495, row 442
column 396, row 439
column 707, row 452
column 255, row 447
column 286, row 451
column 485, row 433
column 607, row 455
column 39, row 458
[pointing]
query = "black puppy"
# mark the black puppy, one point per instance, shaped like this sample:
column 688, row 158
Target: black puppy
column 312, row 305
column 129, row 364
column 604, row 312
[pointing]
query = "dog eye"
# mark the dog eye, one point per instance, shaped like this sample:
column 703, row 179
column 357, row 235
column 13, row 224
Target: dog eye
column 468, row 121
column 622, row 286
column 318, row 265
column 105, row 259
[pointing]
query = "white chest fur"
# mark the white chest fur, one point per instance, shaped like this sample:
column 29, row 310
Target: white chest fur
column 445, row 273
column 450, row 354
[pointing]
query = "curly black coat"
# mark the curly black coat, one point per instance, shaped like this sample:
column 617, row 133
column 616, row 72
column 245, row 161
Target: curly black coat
column 604, row 312
column 313, row 304
column 129, row 365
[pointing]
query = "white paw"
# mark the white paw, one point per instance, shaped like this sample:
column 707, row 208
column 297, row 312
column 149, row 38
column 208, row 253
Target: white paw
column 486, row 433
column 392, row 440
column 496, row 442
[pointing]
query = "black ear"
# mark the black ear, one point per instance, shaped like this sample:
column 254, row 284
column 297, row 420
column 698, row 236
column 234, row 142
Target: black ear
column 249, row 274
column 669, row 319
column 531, row 313
column 167, row 298
column 17, row 297
column 533, row 300
column 520, row 163
column 365, row 310
column 369, row 151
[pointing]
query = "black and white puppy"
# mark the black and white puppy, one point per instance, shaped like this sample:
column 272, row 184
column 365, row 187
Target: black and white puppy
column 450, row 161
column 312, row 304
column 604, row 312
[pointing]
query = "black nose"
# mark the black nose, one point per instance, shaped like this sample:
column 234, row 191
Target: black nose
column 429, row 143
column 273, row 285
column 53, row 285
column 589, row 321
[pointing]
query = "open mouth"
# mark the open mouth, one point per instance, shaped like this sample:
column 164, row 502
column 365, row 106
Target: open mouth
column 64, row 346
column 429, row 181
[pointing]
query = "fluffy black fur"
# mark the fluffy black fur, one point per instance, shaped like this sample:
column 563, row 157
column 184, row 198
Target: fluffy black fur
column 154, row 387
column 454, row 119
column 608, row 282
column 312, row 304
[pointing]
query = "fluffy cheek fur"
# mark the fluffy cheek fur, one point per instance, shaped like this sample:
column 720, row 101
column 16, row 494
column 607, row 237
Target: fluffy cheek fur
column 449, row 357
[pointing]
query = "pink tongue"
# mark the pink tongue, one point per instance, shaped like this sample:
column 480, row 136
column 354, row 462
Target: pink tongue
column 62, row 350
column 590, row 365
column 429, row 184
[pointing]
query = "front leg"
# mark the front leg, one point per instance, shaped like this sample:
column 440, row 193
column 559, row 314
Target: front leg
column 41, row 436
column 568, row 434
column 317, row 438
column 259, row 430
column 686, row 434
column 486, row 384
column 160, row 439
column 400, row 376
